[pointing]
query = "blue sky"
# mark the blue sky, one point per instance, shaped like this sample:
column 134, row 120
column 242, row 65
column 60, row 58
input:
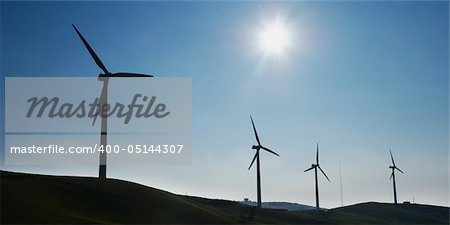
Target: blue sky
column 359, row 77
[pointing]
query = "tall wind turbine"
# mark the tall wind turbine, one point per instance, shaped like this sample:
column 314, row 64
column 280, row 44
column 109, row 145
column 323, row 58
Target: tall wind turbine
column 104, row 100
column 315, row 166
column 393, row 168
column 256, row 157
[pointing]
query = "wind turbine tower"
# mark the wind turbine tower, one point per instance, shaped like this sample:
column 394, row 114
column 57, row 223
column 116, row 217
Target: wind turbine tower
column 256, row 157
column 315, row 166
column 102, row 110
column 393, row 168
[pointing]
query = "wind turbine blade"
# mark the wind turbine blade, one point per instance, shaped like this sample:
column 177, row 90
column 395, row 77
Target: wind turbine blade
column 310, row 168
column 270, row 151
column 317, row 154
column 101, row 102
column 254, row 158
column 324, row 173
column 392, row 158
column 399, row 169
column 392, row 174
column 91, row 51
column 254, row 129
column 130, row 75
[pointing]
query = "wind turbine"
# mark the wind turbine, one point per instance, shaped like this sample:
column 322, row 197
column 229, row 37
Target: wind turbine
column 103, row 100
column 315, row 166
column 393, row 168
column 256, row 157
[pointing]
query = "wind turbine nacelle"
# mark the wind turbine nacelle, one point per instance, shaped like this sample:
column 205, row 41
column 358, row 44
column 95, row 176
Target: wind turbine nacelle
column 102, row 77
column 391, row 167
column 255, row 147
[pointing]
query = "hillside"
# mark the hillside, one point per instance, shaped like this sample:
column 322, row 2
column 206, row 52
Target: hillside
column 35, row 199
column 377, row 213
column 44, row 199
column 281, row 205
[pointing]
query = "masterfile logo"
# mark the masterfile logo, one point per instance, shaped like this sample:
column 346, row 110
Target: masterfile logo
column 54, row 108
column 72, row 104
column 52, row 120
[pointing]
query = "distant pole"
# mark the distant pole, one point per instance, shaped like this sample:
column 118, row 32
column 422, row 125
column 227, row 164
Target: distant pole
column 317, row 189
column 258, row 181
column 340, row 182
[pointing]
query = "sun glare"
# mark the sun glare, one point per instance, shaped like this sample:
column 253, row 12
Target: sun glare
column 274, row 38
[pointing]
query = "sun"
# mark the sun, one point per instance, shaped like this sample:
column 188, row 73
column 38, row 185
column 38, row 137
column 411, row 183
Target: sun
column 274, row 38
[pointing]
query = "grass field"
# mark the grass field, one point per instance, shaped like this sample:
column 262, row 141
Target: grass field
column 43, row 199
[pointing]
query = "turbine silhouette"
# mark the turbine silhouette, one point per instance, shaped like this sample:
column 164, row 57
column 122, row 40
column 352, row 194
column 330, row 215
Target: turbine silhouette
column 103, row 100
column 393, row 168
column 315, row 166
column 256, row 157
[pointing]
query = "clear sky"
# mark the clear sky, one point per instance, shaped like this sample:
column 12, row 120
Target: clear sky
column 358, row 77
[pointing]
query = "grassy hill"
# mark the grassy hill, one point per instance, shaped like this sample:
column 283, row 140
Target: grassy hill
column 27, row 198
column 386, row 213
